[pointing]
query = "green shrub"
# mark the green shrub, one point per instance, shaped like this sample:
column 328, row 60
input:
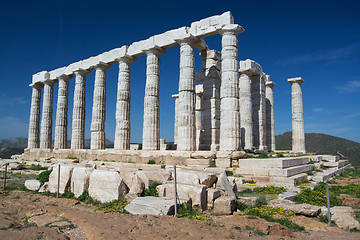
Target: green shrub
column 271, row 189
column 151, row 191
column 68, row 194
column 229, row 173
column 114, row 206
column 85, row 197
column 260, row 201
column 310, row 173
column 44, row 177
column 36, row 167
column 151, row 162
column 317, row 196
column 245, row 191
column 186, row 211
column 241, row 206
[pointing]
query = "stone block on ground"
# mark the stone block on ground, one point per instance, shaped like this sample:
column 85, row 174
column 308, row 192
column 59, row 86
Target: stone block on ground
column 80, row 180
column 298, row 209
column 45, row 219
column 151, row 205
column 212, row 194
column 224, row 184
column 223, row 162
column 196, row 177
column 197, row 193
column 150, row 176
column 133, row 182
column 65, row 178
column 15, row 166
column 344, row 217
column 44, row 188
column 106, row 186
column 32, row 185
column 225, row 205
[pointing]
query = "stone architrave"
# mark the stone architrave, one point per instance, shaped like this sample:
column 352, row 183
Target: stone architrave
column 270, row 121
column 60, row 140
column 211, row 99
column 198, row 114
column 78, row 121
column 46, row 118
column 176, row 97
column 298, row 134
column 186, row 140
column 122, row 116
column 151, row 124
column 99, row 108
column 34, row 122
column 249, row 70
column 229, row 93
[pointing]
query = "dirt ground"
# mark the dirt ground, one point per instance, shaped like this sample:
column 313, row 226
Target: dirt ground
column 83, row 222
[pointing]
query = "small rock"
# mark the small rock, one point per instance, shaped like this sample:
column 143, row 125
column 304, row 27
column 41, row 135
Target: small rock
column 223, row 184
column 32, row 185
column 151, row 206
column 43, row 220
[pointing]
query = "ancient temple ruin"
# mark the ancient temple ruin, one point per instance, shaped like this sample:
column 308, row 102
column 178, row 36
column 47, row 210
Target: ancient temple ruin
column 226, row 108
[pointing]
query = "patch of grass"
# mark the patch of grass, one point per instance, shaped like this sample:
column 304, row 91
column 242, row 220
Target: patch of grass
column 49, row 194
column 151, row 162
column 16, row 197
column 265, row 210
column 325, row 219
column 271, row 189
column 114, row 206
column 260, row 201
column 310, row 173
column 213, row 165
column 36, row 167
column 237, row 228
column 151, row 191
column 44, row 177
column 241, row 206
column 229, row 173
column 186, row 211
column 68, row 194
column 255, row 231
column 85, row 198
column 250, row 181
column 317, row 196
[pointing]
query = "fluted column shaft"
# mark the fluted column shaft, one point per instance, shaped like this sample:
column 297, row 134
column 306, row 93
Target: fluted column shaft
column 229, row 92
column 34, row 121
column 151, row 124
column 211, row 99
column 176, row 97
column 186, row 140
column 262, row 115
column 270, row 121
column 298, row 134
column 78, row 121
column 122, row 116
column 46, row 119
column 246, row 111
column 99, row 108
column 198, row 119
column 60, row 140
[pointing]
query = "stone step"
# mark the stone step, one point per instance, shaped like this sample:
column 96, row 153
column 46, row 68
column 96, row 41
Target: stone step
column 290, row 181
column 198, row 162
column 327, row 174
column 339, row 164
column 330, row 158
column 273, row 162
column 276, row 172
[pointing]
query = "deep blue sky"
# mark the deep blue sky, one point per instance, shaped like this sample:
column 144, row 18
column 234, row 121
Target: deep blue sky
column 317, row 40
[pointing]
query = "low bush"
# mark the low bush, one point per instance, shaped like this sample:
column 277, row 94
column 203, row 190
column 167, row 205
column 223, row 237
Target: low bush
column 151, row 191
column 151, row 162
column 68, row 194
column 186, row 211
column 229, row 173
column 114, row 206
column 44, row 177
column 271, row 189
column 85, row 197
column 36, row 167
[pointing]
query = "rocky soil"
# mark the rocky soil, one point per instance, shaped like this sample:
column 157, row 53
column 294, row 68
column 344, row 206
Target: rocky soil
column 25, row 215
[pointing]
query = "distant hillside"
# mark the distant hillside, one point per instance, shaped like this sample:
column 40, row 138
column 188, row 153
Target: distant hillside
column 13, row 143
column 324, row 144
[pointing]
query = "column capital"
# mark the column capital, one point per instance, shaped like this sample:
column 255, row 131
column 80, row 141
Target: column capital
column 155, row 50
column 270, row 84
column 126, row 58
column 49, row 82
column 82, row 72
column 37, row 85
column 233, row 29
column 296, row 80
column 103, row 66
column 65, row 77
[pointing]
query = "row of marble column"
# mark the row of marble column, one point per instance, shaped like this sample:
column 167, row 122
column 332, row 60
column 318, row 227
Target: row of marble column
column 186, row 140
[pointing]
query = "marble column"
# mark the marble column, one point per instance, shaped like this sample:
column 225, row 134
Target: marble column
column 176, row 97
column 122, row 116
column 60, row 140
column 256, row 102
column 270, row 121
column 262, row 115
column 97, row 128
column 78, row 121
column 46, row 118
column 229, row 93
column 33, row 137
column 246, row 121
column 298, row 134
column 211, row 99
column 186, row 140
column 151, row 124
column 198, row 115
